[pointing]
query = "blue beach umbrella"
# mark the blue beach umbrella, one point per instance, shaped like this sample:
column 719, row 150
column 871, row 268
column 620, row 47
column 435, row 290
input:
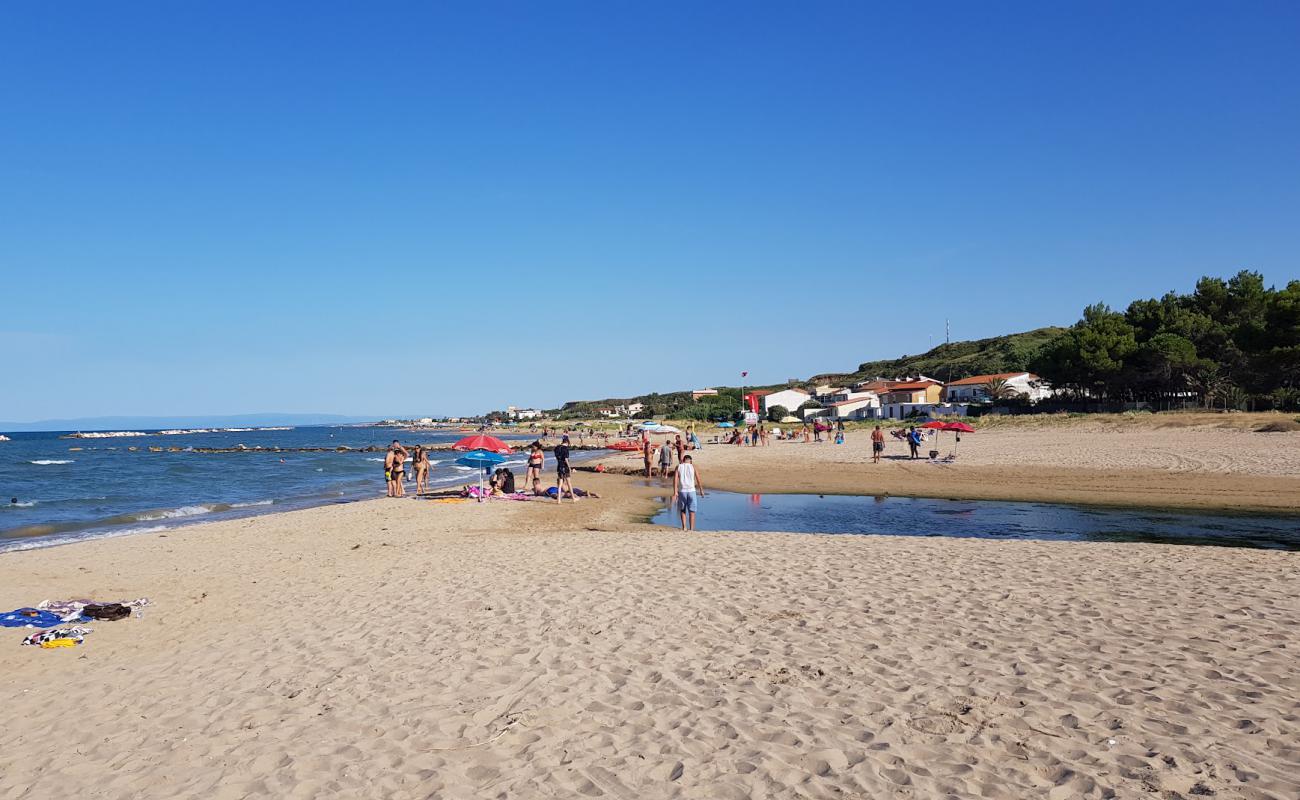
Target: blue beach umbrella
column 483, row 460
column 726, row 424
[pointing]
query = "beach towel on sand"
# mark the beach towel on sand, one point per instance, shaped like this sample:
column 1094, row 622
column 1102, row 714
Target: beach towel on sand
column 75, row 634
column 29, row 618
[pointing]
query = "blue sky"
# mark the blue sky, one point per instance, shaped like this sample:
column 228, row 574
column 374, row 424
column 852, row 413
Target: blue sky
column 433, row 208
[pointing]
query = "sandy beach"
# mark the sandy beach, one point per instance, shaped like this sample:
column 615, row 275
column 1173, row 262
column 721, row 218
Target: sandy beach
column 1104, row 463
column 418, row 649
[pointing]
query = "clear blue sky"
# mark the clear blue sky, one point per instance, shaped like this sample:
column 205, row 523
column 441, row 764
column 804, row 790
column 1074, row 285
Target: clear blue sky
column 431, row 208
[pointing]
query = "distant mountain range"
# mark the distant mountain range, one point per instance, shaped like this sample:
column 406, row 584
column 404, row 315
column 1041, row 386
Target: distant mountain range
column 150, row 423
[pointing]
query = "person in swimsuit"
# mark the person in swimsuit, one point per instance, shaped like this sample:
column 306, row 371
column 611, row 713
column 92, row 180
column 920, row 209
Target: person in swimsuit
column 665, row 458
column 646, row 450
column 421, row 462
column 680, row 447
column 877, row 444
column 397, row 469
column 536, row 458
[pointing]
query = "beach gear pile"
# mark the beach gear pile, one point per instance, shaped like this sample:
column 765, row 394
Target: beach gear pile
column 49, row 614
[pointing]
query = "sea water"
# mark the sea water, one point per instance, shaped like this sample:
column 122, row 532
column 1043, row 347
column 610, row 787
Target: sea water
column 70, row 489
column 984, row 519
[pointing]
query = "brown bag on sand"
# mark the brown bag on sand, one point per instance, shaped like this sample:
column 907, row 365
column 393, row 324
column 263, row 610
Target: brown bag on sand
column 106, row 611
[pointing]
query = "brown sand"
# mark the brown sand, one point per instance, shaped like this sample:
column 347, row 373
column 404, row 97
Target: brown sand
column 1199, row 467
column 411, row 649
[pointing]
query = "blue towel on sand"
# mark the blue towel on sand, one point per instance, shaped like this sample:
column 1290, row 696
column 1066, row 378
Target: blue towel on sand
column 22, row 617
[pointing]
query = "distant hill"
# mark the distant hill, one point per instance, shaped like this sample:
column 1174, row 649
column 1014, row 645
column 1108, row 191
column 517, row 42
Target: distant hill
column 1009, row 353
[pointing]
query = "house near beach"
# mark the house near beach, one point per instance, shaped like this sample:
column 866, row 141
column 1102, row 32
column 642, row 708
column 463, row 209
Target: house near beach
column 905, row 398
column 696, row 394
column 975, row 388
column 865, row 406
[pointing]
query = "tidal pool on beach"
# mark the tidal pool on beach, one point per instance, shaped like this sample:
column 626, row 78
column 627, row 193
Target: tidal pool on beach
column 984, row 519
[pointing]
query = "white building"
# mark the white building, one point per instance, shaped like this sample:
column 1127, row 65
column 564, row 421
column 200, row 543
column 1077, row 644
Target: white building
column 698, row 393
column 975, row 388
column 858, row 408
column 789, row 399
column 528, row 413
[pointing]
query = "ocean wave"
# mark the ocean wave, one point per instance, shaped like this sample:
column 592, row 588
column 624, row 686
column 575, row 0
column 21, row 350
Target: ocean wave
column 276, row 428
column 380, row 460
column 174, row 513
column 52, row 541
column 45, row 462
column 253, row 503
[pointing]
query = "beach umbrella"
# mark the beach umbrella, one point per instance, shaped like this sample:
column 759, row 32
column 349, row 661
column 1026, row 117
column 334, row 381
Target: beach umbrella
column 787, row 419
column 958, row 428
column 483, row 460
column 490, row 444
column 726, row 424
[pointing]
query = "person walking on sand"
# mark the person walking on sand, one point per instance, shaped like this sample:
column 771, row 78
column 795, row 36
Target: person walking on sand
column 687, row 489
column 665, row 458
column 563, row 472
column 535, row 460
column 680, row 447
column 914, row 441
column 877, row 444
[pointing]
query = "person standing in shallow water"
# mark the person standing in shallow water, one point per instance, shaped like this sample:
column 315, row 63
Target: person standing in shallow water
column 687, row 489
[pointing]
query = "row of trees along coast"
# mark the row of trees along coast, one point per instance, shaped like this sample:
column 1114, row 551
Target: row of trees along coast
column 1229, row 344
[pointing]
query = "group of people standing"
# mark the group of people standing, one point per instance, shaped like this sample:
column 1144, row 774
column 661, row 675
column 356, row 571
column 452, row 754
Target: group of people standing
column 395, row 468
column 662, row 456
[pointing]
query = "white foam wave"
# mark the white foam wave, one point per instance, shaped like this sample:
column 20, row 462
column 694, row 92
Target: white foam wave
column 52, row 541
column 380, row 460
column 45, row 462
column 174, row 513
column 253, row 503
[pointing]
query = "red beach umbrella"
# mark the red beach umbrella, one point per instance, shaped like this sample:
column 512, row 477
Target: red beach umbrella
column 958, row 428
column 936, row 425
column 481, row 442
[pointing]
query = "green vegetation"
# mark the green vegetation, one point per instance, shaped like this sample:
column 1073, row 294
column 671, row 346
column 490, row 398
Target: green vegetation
column 949, row 362
column 1231, row 344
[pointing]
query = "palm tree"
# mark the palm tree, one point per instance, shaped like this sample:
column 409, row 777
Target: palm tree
column 1206, row 381
column 997, row 388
